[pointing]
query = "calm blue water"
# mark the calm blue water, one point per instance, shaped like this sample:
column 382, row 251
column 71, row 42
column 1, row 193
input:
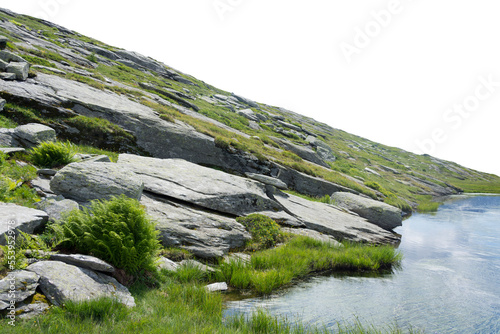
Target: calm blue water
column 449, row 281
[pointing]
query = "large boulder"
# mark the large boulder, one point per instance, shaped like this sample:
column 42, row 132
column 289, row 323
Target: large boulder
column 23, row 282
column 61, row 282
column 205, row 234
column 14, row 218
column 376, row 212
column 333, row 221
column 202, row 186
column 86, row 181
column 21, row 70
column 32, row 134
column 56, row 207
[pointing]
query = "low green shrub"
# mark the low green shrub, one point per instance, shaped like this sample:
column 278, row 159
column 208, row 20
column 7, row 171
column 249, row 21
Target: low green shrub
column 265, row 231
column 117, row 231
column 52, row 154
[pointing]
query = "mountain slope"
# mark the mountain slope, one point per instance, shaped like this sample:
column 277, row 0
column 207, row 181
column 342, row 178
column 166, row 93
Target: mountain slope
column 95, row 94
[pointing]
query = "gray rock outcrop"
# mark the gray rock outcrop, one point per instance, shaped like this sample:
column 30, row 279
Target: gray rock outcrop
column 21, row 70
column 61, row 282
column 56, row 207
column 304, row 152
column 23, row 282
column 202, row 186
column 205, row 234
column 32, row 134
column 333, row 221
column 18, row 218
column 268, row 180
column 86, row 181
column 379, row 213
column 83, row 261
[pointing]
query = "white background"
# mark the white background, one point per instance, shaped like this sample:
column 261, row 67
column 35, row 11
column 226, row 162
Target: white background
column 415, row 63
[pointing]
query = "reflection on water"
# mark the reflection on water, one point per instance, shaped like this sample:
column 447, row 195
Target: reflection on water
column 448, row 282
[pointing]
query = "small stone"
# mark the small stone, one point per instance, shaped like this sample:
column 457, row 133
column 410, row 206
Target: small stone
column 49, row 172
column 222, row 286
column 167, row 264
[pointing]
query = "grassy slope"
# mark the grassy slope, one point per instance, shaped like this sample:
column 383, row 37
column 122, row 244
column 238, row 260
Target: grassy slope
column 354, row 153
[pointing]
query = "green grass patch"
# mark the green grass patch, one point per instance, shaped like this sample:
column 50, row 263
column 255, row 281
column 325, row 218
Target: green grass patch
column 34, row 60
column 14, row 182
column 7, row 123
column 274, row 268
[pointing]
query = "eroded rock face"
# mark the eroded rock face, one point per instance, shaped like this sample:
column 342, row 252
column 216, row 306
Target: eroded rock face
column 61, row 282
column 206, row 187
column 205, row 234
column 379, row 213
column 18, row 218
column 86, row 181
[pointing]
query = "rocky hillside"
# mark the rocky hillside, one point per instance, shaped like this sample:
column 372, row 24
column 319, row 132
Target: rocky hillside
column 95, row 94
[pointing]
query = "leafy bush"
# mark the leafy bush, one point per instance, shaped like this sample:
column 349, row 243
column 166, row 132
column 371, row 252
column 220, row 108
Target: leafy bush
column 117, row 231
column 52, row 154
column 265, row 231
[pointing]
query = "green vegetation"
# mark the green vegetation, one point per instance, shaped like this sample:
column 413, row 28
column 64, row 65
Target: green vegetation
column 34, row 60
column 265, row 232
column 26, row 242
column 92, row 131
column 427, row 205
column 14, row 180
column 301, row 256
column 325, row 199
column 52, row 154
column 7, row 123
column 117, row 231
